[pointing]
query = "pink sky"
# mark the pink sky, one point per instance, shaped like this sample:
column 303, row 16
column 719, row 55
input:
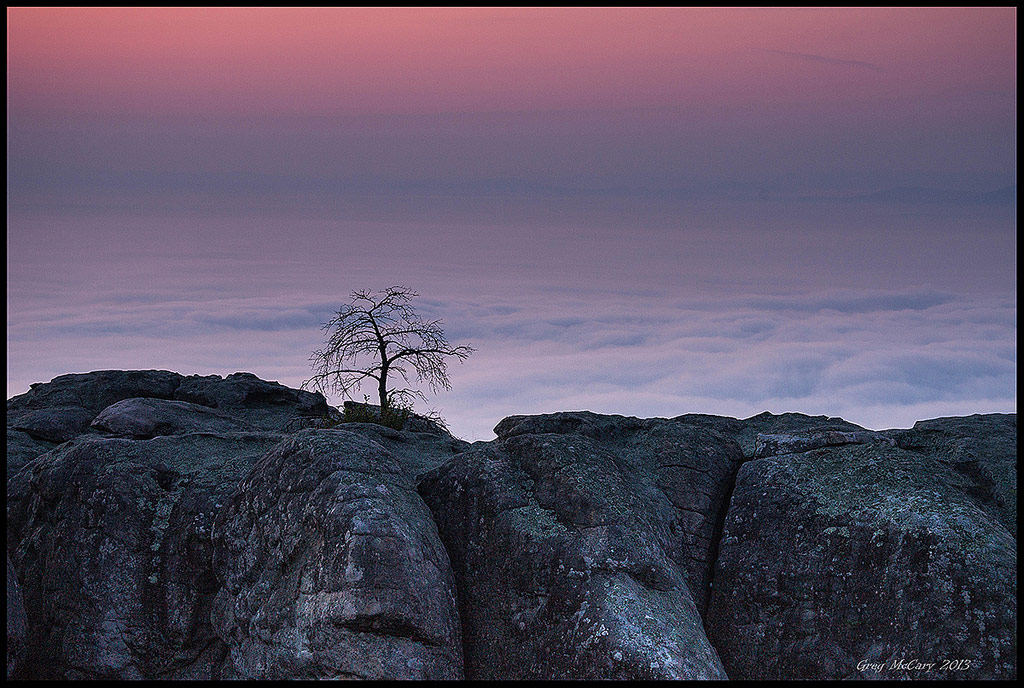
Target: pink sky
column 188, row 61
column 642, row 211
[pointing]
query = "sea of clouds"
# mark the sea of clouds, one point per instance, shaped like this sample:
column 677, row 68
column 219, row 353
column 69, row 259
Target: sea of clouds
column 877, row 325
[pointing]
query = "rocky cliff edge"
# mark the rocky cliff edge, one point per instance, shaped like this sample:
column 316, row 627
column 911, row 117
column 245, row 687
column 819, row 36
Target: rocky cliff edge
column 199, row 527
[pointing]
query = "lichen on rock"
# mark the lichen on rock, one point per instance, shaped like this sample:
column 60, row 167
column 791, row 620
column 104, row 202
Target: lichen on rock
column 186, row 527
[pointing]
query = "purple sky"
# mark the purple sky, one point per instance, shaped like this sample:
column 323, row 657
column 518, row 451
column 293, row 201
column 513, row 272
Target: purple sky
column 828, row 226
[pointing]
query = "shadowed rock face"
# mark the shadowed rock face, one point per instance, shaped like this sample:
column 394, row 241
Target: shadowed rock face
column 81, row 518
column 147, row 403
column 861, row 553
column 146, row 418
column 983, row 448
column 112, row 536
column 97, row 390
column 58, row 424
column 64, row 407
column 332, row 568
column 22, row 448
column 745, row 432
column 775, row 444
column 582, row 546
column 17, row 630
column 266, row 405
column 112, row 540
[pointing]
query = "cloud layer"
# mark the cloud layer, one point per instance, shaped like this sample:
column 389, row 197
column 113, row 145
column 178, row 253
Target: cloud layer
column 633, row 210
column 645, row 326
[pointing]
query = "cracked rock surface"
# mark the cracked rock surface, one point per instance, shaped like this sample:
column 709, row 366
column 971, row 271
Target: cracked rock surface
column 187, row 527
column 582, row 546
column 112, row 539
column 16, row 624
column 862, row 553
column 332, row 568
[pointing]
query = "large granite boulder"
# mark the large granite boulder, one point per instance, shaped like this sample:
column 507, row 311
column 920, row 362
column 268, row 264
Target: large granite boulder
column 112, row 538
column 55, row 424
column 332, row 568
column 64, row 407
column 582, row 546
column 267, row 405
column 788, row 443
column 745, row 431
column 692, row 467
column 982, row 447
column 17, row 628
column 146, row 418
column 22, row 448
column 94, row 391
column 848, row 559
column 416, row 452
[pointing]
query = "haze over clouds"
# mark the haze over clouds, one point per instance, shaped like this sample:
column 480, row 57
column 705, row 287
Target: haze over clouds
column 647, row 212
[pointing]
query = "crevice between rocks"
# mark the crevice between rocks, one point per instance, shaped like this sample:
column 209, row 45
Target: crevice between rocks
column 716, row 541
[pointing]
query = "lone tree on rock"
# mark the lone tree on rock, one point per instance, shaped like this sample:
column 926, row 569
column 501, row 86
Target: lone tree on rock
column 376, row 336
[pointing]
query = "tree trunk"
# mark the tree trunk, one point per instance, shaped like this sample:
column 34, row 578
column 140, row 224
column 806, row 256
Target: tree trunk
column 382, row 391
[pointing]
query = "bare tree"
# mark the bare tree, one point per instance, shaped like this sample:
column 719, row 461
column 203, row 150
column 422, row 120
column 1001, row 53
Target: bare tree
column 376, row 336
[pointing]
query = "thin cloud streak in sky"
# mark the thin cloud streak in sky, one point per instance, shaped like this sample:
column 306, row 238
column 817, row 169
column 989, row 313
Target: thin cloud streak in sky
column 809, row 57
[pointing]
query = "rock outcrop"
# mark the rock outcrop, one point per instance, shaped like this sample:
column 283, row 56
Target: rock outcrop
column 582, row 546
column 267, row 405
column 95, row 391
column 112, row 535
column 112, row 539
column 58, row 424
column 164, row 526
column 22, row 448
column 983, row 448
column 63, row 408
column 745, row 432
column 776, row 444
column 146, row 418
column 332, row 568
column 17, row 626
column 847, row 559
